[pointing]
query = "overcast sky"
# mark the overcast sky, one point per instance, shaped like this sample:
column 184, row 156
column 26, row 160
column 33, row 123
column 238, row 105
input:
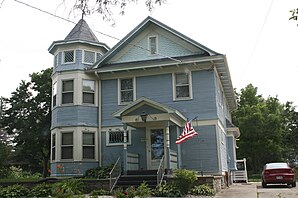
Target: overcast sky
column 260, row 43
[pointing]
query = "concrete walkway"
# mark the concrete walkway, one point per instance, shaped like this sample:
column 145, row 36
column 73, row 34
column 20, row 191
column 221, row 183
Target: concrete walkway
column 237, row 190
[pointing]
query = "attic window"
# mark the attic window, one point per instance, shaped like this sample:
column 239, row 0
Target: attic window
column 152, row 44
column 68, row 56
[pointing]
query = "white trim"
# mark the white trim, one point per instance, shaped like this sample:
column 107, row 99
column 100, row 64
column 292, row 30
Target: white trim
column 134, row 90
column 189, row 86
column 56, row 60
column 63, row 56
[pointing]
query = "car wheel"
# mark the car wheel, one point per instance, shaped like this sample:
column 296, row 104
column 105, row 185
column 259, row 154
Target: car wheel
column 264, row 185
column 294, row 184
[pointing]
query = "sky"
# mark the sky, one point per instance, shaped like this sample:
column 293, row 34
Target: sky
column 259, row 40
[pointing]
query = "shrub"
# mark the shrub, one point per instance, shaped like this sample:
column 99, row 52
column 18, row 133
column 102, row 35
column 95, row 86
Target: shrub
column 99, row 172
column 143, row 190
column 99, row 192
column 184, row 180
column 14, row 191
column 167, row 190
column 41, row 190
column 68, row 188
column 204, row 190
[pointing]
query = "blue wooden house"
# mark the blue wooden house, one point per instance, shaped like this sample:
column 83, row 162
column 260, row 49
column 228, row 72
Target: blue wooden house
column 133, row 100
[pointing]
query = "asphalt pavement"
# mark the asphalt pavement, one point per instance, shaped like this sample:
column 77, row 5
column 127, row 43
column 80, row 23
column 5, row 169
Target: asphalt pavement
column 243, row 190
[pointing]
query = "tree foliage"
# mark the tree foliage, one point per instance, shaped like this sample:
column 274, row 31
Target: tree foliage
column 27, row 116
column 264, row 124
column 106, row 8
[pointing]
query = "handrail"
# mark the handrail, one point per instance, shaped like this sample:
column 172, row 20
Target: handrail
column 161, row 170
column 115, row 173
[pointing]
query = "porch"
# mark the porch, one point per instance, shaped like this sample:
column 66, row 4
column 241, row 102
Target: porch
column 159, row 125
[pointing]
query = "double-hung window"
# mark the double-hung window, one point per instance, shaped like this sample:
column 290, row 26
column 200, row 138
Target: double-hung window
column 53, row 146
column 88, row 91
column 54, row 94
column 88, row 145
column 67, row 145
column 182, row 86
column 89, row 57
column 67, row 91
column 69, row 56
column 126, row 90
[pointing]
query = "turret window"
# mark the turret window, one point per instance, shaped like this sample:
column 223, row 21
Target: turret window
column 88, row 91
column 54, row 102
column 88, row 145
column 67, row 91
column 67, row 145
column 69, row 56
column 89, row 57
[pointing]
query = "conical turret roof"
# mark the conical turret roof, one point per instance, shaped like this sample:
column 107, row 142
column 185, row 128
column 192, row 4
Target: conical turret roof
column 81, row 32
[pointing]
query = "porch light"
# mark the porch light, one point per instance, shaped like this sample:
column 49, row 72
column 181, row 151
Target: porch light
column 144, row 116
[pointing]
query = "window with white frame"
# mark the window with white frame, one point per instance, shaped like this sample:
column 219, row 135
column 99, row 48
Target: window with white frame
column 88, row 91
column 69, row 56
column 54, row 146
column 88, row 145
column 152, row 44
column 67, row 145
column 117, row 137
column 54, row 94
column 67, row 91
column 182, row 86
column 126, row 90
column 89, row 57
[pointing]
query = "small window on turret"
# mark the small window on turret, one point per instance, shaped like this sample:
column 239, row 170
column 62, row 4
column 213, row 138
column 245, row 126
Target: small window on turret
column 68, row 56
column 89, row 57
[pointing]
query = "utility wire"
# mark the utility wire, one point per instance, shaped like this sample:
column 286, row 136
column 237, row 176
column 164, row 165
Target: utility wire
column 67, row 20
column 257, row 40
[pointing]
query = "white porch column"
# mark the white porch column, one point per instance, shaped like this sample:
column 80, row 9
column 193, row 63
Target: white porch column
column 168, row 156
column 125, row 148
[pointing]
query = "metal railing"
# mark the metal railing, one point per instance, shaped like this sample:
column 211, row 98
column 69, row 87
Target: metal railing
column 115, row 173
column 161, row 170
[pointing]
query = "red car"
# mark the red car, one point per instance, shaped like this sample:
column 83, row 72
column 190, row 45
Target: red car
column 278, row 173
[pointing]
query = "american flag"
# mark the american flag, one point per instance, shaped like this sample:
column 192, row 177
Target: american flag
column 188, row 132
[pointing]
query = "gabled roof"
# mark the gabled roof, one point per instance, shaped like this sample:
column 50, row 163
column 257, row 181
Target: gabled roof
column 173, row 115
column 81, row 33
column 138, row 30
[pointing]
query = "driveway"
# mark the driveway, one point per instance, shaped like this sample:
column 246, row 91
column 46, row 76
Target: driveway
column 255, row 190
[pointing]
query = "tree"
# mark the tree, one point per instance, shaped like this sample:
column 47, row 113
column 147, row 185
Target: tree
column 261, row 123
column 104, row 7
column 27, row 116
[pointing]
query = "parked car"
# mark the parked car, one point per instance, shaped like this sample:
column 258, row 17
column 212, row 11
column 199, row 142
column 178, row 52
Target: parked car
column 278, row 173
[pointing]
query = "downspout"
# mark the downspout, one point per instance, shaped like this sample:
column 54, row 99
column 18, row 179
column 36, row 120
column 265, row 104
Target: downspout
column 99, row 119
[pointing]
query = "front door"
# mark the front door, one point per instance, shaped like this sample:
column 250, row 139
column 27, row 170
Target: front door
column 155, row 147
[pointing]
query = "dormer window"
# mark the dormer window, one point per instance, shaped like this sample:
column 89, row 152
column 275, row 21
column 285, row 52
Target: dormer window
column 69, row 56
column 152, row 45
column 89, row 57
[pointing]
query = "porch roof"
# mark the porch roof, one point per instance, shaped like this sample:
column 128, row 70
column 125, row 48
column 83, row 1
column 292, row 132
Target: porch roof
column 157, row 112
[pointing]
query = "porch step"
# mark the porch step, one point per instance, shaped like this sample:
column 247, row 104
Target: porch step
column 136, row 178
